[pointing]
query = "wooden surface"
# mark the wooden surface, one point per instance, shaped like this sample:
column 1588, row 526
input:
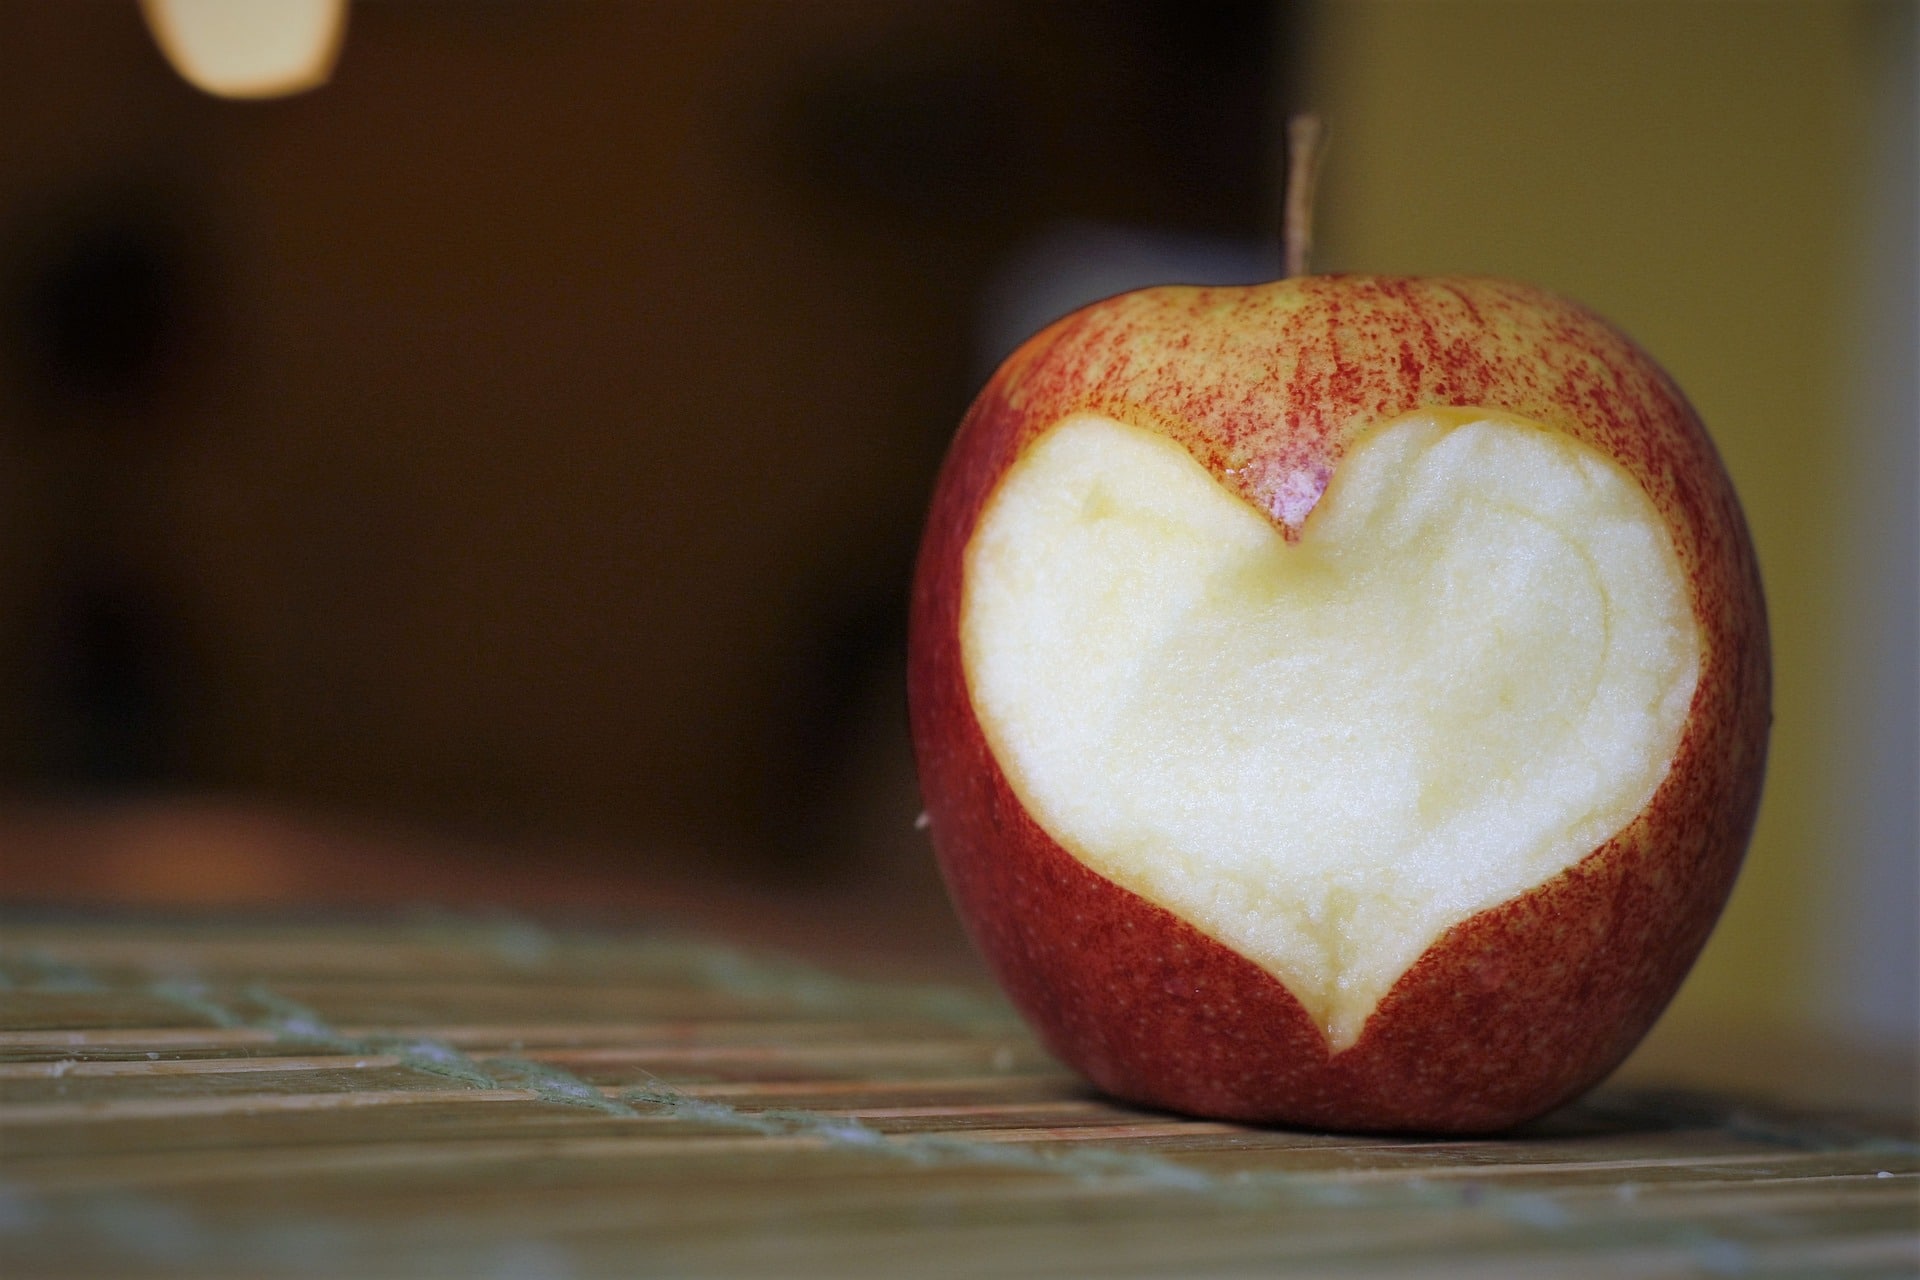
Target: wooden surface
column 473, row 1098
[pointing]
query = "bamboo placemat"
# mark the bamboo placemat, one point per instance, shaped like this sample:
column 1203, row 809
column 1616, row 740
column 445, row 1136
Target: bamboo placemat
column 490, row 1099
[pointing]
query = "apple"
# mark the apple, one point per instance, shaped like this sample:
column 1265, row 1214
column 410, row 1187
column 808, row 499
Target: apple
column 1339, row 702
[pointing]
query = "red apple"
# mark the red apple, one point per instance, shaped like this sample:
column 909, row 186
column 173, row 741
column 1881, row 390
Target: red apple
column 1338, row 702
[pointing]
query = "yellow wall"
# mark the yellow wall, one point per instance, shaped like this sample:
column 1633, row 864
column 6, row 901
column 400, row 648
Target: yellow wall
column 1692, row 171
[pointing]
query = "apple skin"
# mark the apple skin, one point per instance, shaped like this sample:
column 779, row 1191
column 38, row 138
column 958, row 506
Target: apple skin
column 1514, row 1010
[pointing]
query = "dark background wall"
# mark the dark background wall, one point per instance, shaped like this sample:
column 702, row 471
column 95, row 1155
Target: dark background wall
column 527, row 433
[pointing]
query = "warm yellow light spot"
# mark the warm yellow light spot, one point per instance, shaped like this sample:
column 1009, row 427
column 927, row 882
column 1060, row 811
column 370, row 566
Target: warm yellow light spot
column 249, row 48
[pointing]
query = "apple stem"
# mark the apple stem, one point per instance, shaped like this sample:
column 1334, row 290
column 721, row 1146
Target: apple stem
column 1303, row 169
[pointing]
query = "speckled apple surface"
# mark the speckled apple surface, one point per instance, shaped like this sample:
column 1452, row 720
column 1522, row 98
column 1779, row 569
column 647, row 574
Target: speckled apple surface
column 1514, row 1009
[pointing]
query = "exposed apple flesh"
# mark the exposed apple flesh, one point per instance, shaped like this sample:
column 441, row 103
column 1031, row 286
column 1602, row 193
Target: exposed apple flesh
column 1470, row 670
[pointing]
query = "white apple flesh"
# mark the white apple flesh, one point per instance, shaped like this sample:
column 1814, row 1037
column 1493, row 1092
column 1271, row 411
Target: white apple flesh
column 1470, row 670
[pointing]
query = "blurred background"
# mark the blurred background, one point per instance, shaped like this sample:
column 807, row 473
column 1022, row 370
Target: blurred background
column 491, row 478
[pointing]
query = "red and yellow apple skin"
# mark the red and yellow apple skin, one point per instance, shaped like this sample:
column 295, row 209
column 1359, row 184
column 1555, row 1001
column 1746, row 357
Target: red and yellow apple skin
column 1512, row 1011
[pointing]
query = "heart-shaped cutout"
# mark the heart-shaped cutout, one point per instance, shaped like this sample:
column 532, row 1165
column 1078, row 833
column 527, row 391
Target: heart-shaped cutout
column 1470, row 670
